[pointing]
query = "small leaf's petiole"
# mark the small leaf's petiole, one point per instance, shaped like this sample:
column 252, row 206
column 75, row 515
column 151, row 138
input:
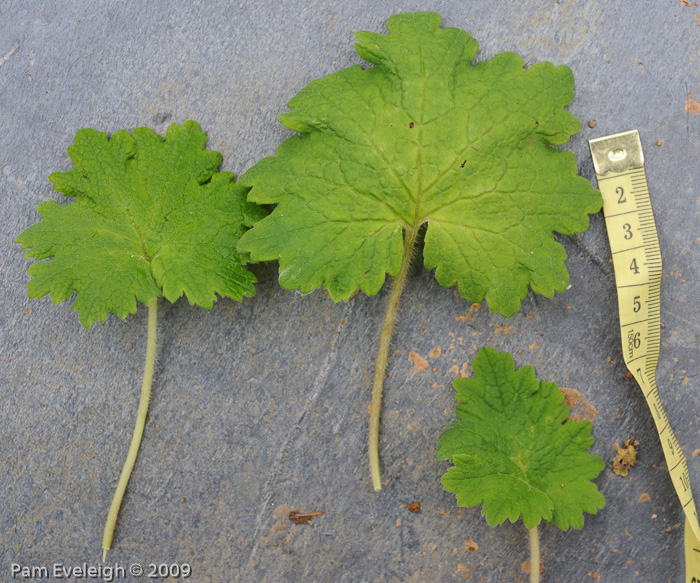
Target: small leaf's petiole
column 409, row 243
column 138, row 430
column 534, row 555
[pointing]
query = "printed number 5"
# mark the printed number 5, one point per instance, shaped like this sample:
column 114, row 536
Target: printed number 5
column 637, row 304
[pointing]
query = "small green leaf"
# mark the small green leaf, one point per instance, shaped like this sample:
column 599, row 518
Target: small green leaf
column 514, row 451
column 150, row 218
column 425, row 137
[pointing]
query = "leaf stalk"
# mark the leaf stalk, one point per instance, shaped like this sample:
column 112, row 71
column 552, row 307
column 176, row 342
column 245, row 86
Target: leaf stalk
column 534, row 555
column 375, row 409
column 138, row 430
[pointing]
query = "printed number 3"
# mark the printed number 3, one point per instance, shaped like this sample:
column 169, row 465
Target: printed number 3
column 628, row 230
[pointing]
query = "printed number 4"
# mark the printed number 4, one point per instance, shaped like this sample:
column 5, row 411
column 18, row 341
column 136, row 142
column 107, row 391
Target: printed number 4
column 634, row 267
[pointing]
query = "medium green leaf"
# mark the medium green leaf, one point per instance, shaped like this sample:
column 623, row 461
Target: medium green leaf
column 150, row 218
column 514, row 451
column 425, row 137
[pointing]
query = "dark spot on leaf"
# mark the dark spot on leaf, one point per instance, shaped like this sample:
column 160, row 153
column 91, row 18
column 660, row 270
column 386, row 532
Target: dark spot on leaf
column 463, row 163
column 411, row 125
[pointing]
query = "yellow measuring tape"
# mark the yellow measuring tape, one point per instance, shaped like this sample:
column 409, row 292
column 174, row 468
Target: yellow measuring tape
column 619, row 167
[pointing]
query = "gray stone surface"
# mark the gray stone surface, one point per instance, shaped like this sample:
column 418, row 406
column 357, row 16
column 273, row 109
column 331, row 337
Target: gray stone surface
column 260, row 407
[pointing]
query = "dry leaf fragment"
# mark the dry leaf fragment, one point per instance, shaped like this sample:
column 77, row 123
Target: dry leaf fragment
column 626, row 457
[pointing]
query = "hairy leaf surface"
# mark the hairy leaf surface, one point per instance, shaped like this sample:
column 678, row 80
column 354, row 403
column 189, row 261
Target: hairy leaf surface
column 150, row 218
column 514, row 451
column 425, row 137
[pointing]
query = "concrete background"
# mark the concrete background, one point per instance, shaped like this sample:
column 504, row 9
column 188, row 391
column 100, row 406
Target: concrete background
column 259, row 407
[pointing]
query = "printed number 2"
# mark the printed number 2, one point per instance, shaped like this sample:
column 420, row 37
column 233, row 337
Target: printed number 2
column 637, row 304
column 633, row 266
column 621, row 191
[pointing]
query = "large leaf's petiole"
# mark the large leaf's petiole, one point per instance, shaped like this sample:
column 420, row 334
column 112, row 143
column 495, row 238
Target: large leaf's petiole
column 534, row 555
column 383, row 354
column 138, row 430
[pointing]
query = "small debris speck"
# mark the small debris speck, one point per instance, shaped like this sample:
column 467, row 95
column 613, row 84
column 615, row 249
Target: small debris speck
column 303, row 517
column 414, row 507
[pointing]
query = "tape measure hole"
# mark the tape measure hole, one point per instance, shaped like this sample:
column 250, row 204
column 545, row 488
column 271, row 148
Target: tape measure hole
column 617, row 155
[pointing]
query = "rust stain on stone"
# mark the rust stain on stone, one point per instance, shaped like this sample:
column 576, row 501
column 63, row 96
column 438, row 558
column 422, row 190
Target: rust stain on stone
column 419, row 363
column 579, row 406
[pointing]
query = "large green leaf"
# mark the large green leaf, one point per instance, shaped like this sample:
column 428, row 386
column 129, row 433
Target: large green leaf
column 425, row 137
